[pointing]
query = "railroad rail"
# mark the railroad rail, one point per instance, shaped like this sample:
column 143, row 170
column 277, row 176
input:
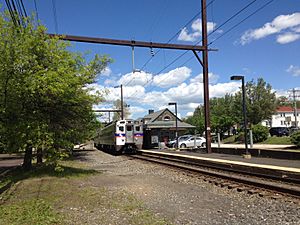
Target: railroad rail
column 264, row 180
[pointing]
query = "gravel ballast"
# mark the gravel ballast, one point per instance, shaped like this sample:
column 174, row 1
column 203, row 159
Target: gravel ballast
column 182, row 199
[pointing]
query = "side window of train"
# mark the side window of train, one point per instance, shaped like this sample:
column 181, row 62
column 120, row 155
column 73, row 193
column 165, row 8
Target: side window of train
column 121, row 128
column 129, row 128
column 137, row 128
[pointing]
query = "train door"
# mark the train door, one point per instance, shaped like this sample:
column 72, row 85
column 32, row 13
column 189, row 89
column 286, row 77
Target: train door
column 129, row 133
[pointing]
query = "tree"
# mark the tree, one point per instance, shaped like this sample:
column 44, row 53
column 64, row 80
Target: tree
column 197, row 119
column 222, row 114
column 260, row 101
column 45, row 100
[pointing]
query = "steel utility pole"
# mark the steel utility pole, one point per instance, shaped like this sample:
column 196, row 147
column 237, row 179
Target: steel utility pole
column 294, row 91
column 122, row 105
column 205, row 76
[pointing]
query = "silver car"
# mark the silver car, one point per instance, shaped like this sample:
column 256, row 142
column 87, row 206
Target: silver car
column 190, row 142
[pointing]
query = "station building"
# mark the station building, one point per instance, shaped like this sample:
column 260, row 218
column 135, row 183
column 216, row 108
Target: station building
column 160, row 126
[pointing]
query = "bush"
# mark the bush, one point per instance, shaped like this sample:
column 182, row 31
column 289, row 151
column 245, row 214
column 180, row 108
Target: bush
column 295, row 138
column 260, row 133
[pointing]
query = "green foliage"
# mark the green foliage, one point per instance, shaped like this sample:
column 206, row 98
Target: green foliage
column 222, row 114
column 197, row 120
column 295, row 138
column 260, row 133
column 260, row 102
column 45, row 98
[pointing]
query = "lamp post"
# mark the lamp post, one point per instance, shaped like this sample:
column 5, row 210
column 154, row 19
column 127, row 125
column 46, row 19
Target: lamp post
column 122, row 106
column 244, row 111
column 176, row 122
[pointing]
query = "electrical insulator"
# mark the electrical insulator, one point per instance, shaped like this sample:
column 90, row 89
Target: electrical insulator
column 152, row 52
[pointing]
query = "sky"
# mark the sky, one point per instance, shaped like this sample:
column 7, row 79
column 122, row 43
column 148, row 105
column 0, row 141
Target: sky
column 267, row 45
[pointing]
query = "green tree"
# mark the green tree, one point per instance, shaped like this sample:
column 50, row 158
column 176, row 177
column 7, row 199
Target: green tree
column 222, row 114
column 197, row 120
column 45, row 100
column 260, row 102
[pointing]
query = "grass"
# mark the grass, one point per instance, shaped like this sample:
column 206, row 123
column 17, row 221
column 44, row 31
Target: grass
column 44, row 196
column 278, row 140
column 271, row 140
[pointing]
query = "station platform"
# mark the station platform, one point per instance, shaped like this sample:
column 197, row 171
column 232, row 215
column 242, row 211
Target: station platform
column 283, row 165
column 238, row 158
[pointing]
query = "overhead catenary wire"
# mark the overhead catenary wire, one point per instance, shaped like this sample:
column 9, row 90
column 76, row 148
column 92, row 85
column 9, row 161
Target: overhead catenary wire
column 153, row 54
column 55, row 16
column 36, row 11
column 175, row 35
column 234, row 26
column 181, row 55
column 256, row 11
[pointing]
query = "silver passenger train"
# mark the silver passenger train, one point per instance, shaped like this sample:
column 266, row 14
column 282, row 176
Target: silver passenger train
column 120, row 136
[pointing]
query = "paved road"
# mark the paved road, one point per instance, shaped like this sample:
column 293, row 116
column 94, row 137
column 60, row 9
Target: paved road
column 8, row 161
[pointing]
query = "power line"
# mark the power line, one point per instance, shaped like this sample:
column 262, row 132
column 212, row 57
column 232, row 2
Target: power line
column 175, row 35
column 178, row 32
column 229, row 19
column 55, row 16
column 256, row 11
column 36, row 11
column 177, row 58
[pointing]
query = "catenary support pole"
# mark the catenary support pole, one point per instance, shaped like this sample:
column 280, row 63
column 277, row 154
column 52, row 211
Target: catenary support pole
column 205, row 77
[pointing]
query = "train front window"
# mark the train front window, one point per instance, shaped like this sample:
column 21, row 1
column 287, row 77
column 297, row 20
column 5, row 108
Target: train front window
column 129, row 128
column 121, row 128
column 137, row 128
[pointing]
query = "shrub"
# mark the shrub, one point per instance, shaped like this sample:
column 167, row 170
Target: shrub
column 260, row 133
column 295, row 138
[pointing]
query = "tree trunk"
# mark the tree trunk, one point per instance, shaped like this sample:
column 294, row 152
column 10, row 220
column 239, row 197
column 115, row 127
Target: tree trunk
column 27, row 163
column 39, row 156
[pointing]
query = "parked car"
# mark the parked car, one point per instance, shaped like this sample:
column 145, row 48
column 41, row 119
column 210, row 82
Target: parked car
column 293, row 130
column 279, row 131
column 190, row 142
column 172, row 143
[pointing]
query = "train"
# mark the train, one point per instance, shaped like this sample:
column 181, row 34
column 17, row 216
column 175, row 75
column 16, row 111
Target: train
column 120, row 136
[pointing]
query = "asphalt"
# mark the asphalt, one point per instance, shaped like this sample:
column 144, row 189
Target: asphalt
column 9, row 161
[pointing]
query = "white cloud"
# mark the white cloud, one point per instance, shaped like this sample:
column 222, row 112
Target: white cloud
column 212, row 78
column 173, row 77
column 281, row 23
column 189, row 114
column 137, row 78
column 106, row 72
column 295, row 70
column 287, row 38
column 196, row 31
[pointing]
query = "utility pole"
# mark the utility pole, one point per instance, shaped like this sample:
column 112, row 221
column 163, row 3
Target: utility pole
column 294, row 96
column 205, row 76
column 122, row 105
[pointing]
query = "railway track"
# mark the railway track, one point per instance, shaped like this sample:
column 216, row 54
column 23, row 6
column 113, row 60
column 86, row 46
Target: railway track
column 267, row 183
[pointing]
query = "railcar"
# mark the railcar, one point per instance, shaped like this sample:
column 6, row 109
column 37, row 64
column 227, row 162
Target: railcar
column 120, row 136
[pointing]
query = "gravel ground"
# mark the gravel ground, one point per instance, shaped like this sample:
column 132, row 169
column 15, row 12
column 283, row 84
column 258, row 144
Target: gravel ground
column 182, row 199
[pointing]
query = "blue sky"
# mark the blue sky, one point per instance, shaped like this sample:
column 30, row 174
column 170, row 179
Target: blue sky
column 265, row 45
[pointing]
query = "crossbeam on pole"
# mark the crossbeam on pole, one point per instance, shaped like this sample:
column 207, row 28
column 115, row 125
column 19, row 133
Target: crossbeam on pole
column 107, row 110
column 128, row 42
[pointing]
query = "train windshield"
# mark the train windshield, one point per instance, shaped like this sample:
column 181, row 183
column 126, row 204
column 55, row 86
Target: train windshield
column 121, row 128
column 137, row 128
column 129, row 128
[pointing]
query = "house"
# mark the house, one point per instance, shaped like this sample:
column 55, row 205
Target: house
column 284, row 117
column 160, row 126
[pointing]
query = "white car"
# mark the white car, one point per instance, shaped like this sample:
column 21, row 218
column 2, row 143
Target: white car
column 190, row 142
